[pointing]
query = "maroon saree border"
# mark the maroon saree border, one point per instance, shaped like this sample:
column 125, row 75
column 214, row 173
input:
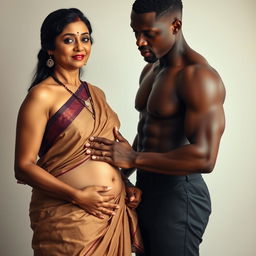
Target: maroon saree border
column 63, row 118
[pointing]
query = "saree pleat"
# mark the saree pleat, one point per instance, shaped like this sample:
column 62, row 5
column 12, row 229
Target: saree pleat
column 62, row 228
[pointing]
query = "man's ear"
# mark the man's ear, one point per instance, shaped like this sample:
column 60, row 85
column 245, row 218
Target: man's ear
column 176, row 26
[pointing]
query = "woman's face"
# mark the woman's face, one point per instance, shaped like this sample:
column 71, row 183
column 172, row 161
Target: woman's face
column 72, row 46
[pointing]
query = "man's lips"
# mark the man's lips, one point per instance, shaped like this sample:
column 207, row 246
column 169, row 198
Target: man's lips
column 78, row 57
column 145, row 52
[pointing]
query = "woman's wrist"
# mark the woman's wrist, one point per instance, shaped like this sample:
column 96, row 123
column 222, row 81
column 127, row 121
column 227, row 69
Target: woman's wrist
column 75, row 195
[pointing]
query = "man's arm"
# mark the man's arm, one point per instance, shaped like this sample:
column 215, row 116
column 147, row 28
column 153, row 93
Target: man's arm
column 127, row 172
column 202, row 92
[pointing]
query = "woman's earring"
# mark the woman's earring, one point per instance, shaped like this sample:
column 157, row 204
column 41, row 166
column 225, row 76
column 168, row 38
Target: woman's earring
column 50, row 62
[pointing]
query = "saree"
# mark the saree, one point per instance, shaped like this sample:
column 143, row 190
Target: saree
column 60, row 227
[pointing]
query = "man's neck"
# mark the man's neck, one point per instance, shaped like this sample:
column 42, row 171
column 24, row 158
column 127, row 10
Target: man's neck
column 175, row 57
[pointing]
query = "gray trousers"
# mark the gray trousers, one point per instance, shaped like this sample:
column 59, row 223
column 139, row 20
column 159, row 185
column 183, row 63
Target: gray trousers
column 173, row 213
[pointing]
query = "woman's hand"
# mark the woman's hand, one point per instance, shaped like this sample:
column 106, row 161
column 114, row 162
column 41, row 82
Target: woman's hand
column 94, row 201
column 133, row 196
column 115, row 152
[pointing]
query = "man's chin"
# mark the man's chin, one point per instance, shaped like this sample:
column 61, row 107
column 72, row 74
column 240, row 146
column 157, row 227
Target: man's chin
column 151, row 59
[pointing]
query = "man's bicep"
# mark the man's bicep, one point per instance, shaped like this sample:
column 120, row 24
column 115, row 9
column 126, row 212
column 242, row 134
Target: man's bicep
column 204, row 114
column 201, row 126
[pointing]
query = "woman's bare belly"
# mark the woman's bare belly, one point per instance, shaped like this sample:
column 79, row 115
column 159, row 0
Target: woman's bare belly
column 94, row 173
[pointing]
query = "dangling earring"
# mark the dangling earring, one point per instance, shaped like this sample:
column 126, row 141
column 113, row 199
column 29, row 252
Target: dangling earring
column 50, row 62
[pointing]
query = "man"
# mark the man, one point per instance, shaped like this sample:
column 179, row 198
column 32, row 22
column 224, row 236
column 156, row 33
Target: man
column 180, row 100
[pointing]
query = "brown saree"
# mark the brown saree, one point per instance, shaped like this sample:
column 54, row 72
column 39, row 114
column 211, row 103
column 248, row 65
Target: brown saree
column 61, row 228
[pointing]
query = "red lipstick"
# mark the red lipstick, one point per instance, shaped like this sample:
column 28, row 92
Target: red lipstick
column 78, row 57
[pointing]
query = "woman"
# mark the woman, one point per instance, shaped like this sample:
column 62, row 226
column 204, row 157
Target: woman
column 77, row 205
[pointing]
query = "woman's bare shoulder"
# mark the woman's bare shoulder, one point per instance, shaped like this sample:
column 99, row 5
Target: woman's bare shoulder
column 44, row 90
column 41, row 96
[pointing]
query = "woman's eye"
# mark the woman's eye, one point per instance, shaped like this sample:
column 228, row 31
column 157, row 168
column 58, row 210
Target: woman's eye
column 85, row 39
column 68, row 40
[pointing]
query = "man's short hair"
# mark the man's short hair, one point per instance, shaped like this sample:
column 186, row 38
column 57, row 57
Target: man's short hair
column 160, row 7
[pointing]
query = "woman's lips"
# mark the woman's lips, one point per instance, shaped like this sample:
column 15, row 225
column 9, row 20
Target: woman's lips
column 78, row 57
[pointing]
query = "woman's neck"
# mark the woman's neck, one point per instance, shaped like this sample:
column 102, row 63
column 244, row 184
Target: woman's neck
column 70, row 78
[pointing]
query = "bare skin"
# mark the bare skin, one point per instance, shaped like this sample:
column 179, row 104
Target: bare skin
column 88, row 186
column 180, row 101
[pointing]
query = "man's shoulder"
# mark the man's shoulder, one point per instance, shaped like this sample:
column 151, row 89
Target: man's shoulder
column 198, row 73
column 200, row 81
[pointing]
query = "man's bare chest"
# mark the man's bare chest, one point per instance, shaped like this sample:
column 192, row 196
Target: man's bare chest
column 158, row 96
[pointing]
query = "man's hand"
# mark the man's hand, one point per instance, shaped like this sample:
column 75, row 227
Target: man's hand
column 133, row 197
column 118, row 153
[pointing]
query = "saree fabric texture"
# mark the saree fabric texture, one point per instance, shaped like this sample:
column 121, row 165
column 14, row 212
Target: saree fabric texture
column 62, row 228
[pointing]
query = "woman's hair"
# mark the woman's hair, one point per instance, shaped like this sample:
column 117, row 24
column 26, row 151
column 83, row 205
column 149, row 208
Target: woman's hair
column 52, row 26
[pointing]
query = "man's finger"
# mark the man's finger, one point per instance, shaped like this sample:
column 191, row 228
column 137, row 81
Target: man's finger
column 118, row 135
column 131, row 198
column 132, row 205
column 102, row 159
column 96, row 152
column 101, row 140
column 99, row 146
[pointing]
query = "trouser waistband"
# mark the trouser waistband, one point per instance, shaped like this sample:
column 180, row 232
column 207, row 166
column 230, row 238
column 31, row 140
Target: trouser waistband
column 147, row 180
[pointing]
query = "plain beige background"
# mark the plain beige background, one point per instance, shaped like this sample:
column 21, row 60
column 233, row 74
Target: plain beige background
column 221, row 30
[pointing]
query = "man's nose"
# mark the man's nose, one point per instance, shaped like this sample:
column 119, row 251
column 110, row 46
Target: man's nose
column 141, row 41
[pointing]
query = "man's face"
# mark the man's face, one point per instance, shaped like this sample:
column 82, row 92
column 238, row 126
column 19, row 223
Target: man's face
column 154, row 37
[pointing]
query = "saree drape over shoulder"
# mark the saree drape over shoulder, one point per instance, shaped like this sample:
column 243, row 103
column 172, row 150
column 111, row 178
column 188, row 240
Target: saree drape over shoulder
column 62, row 228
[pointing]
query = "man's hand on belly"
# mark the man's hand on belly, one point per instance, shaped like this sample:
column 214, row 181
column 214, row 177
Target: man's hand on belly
column 115, row 152
column 133, row 196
